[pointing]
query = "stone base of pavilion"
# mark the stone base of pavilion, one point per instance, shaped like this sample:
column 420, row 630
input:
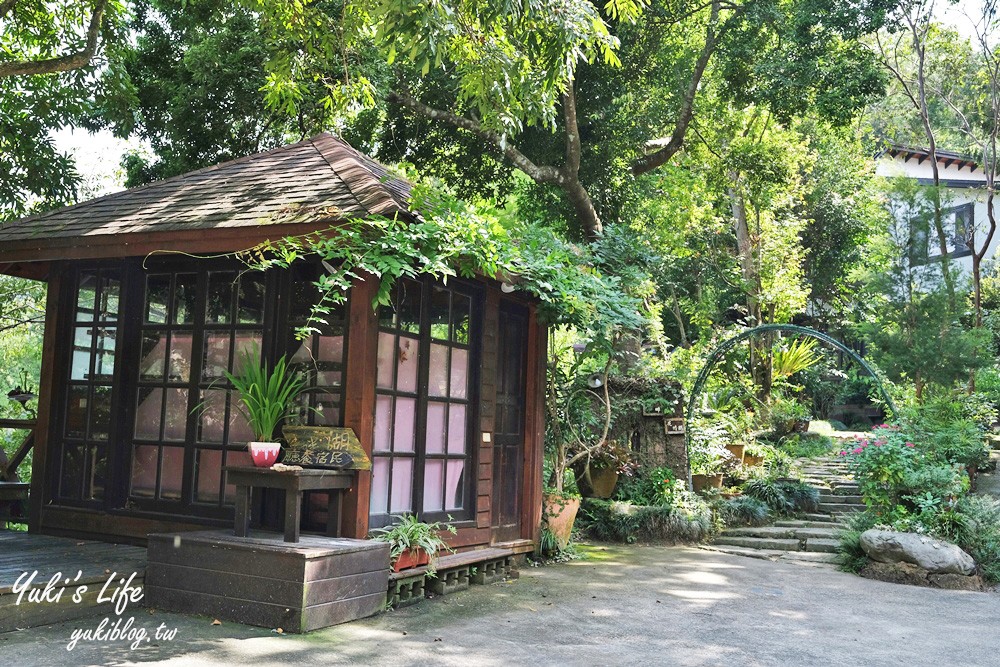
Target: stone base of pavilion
column 264, row 581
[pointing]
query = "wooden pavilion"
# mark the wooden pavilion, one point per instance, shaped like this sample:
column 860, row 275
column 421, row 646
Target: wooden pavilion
column 444, row 389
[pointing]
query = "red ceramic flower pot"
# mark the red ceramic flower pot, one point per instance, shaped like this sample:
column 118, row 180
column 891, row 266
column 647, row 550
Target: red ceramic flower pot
column 411, row 558
column 264, row 454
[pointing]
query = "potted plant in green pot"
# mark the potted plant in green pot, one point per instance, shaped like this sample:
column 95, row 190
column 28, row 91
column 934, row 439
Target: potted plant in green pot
column 413, row 543
column 266, row 397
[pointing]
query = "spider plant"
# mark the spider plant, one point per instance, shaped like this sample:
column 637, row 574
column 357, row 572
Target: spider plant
column 266, row 396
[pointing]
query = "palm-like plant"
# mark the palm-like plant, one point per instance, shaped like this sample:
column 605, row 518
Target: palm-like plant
column 266, row 396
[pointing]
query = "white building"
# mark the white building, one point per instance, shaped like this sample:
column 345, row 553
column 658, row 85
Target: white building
column 964, row 197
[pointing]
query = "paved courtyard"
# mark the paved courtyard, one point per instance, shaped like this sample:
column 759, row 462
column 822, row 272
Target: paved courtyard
column 623, row 605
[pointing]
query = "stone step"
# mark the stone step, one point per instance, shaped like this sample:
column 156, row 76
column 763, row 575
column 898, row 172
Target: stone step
column 823, row 545
column 843, row 499
column 811, row 557
column 827, row 518
column 797, row 557
column 759, row 543
column 799, row 523
column 783, row 532
column 840, row 507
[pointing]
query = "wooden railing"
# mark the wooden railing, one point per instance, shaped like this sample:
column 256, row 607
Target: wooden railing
column 8, row 466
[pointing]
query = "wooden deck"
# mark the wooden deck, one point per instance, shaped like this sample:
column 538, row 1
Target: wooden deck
column 95, row 562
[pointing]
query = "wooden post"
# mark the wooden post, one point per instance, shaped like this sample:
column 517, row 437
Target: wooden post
column 534, row 444
column 359, row 398
column 46, row 400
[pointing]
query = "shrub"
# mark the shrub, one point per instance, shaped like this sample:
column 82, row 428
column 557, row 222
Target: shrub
column 647, row 487
column 744, row 511
column 784, row 496
column 983, row 538
column 806, row 445
column 879, row 465
column 624, row 522
column 851, row 556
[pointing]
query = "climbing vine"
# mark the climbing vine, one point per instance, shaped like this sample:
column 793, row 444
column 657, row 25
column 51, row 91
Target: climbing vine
column 449, row 237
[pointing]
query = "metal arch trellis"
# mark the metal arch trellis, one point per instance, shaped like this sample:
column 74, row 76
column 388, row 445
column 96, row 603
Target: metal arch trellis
column 729, row 344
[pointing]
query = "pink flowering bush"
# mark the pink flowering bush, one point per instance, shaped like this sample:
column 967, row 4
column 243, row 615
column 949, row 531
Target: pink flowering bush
column 880, row 464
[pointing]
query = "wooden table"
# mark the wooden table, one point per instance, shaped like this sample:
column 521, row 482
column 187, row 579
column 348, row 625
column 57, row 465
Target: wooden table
column 294, row 483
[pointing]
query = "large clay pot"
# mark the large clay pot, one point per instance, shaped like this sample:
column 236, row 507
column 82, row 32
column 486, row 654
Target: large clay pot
column 752, row 461
column 700, row 483
column 559, row 514
column 737, row 451
column 596, row 482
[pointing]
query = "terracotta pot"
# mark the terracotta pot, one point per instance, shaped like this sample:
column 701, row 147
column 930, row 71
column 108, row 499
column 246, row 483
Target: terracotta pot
column 800, row 426
column 602, row 483
column 559, row 514
column 752, row 461
column 738, row 452
column 410, row 559
column 715, row 481
column 264, row 454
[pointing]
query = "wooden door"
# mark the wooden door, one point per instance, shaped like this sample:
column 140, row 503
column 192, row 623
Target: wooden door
column 508, row 439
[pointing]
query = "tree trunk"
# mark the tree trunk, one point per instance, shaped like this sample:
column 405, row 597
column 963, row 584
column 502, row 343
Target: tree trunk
column 583, row 206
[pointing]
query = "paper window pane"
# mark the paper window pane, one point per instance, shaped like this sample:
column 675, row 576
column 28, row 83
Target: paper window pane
column 157, row 299
column 212, row 416
column 433, row 486
column 436, row 416
column 402, row 485
column 383, row 423
column 407, row 363
column 438, row 379
column 219, row 300
column 208, row 475
column 247, row 342
column 180, row 356
column 454, row 495
column 76, row 411
column 239, row 426
column 185, row 298
column 175, row 426
column 171, row 472
column 100, row 413
column 216, row 355
column 82, row 340
column 85, row 295
column 383, row 364
column 154, row 355
column 404, row 426
column 459, row 373
column 147, row 414
column 380, row 486
column 456, row 429
column 331, row 348
column 144, row 465
column 251, row 298
column 98, row 473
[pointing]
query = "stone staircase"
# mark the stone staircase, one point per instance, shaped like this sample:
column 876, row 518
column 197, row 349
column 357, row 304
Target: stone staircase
column 808, row 538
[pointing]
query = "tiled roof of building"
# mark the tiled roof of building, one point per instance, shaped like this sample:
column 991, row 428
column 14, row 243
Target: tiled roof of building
column 318, row 179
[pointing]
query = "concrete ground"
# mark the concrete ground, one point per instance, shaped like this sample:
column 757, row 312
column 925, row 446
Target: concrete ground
column 622, row 605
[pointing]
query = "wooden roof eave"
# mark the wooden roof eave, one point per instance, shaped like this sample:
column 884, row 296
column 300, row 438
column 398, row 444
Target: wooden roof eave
column 140, row 244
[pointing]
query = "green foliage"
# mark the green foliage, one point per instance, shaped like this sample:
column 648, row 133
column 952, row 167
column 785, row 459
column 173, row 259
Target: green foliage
column 851, row 556
column 708, row 439
column 782, row 496
column 408, row 532
column 647, row 487
column 744, row 511
column 806, row 445
column 266, row 396
column 797, row 356
column 785, row 415
column 689, row 519
column 982, row 537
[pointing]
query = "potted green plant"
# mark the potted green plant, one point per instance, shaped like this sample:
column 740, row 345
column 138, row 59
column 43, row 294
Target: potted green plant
column 266, row 398
column 707, row 453
column 787, row 416
column 413, row 543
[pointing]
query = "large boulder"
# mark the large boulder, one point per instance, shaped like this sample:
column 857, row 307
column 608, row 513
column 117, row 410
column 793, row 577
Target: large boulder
column 935, row 556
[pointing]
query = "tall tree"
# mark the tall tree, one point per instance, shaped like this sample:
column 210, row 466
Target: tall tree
column 495, row 70
column 55, row 58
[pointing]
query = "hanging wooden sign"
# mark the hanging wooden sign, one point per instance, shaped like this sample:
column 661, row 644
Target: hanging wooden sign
column 324, row 447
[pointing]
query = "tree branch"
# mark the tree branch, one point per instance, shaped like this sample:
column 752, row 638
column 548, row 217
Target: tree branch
column 538, row 173
column 6, row 6
column 653, row 160
column 62, row 63
column 573, row 148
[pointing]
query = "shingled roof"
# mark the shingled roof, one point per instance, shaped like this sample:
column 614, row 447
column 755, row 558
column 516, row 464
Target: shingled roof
column 313, row 182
